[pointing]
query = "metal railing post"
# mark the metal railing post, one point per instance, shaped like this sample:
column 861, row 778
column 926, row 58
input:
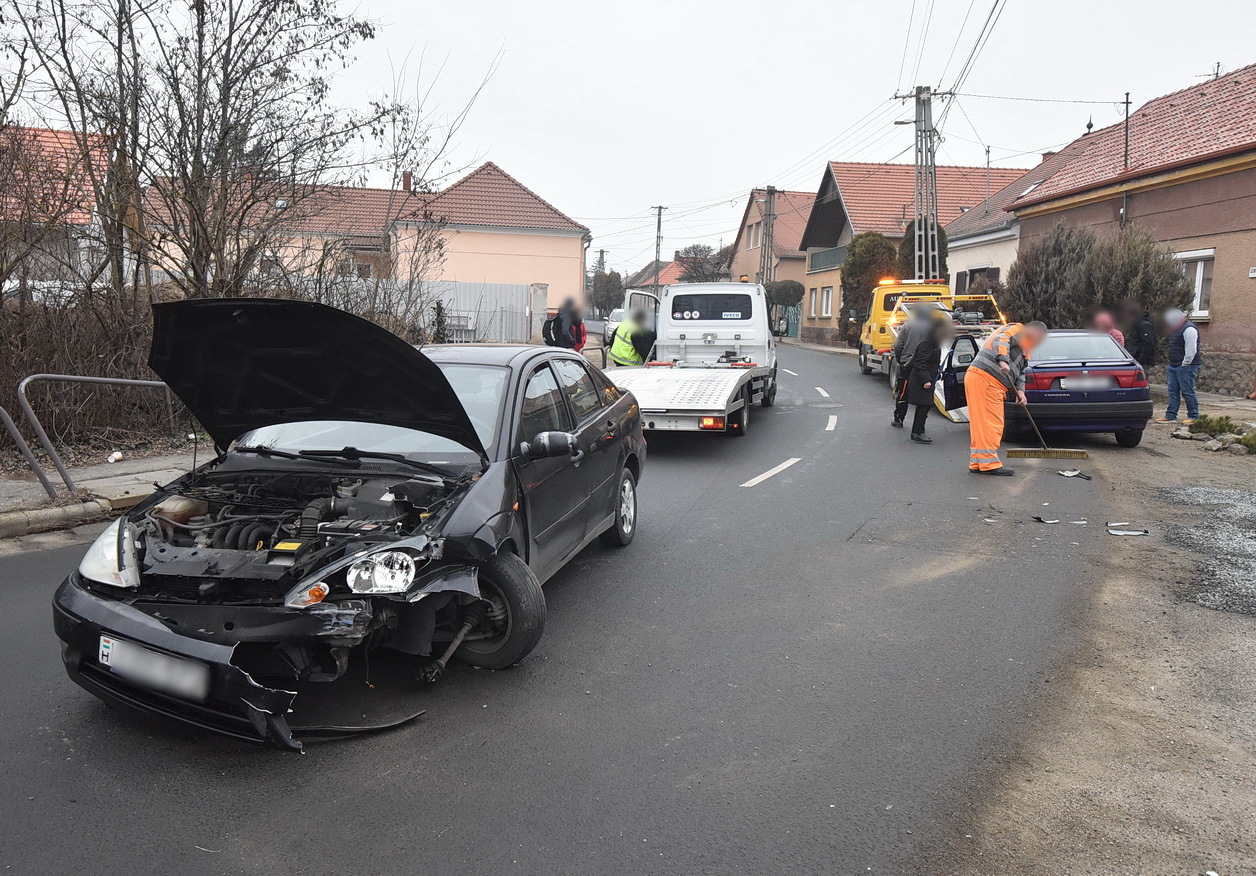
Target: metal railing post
column 25, row 450
column 29, row 412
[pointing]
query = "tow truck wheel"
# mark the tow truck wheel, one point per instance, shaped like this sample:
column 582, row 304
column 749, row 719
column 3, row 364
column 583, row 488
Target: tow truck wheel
column 864, row 367
column 515, row 618
column 741, row 420
column 893, row 376
column 769, row 393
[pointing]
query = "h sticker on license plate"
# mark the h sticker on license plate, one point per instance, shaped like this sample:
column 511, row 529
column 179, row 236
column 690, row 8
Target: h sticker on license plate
column 173, row 675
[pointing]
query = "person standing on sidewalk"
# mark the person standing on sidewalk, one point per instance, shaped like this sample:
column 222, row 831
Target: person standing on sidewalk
column 1185, row 359
column 998, row 368
column 917, row 328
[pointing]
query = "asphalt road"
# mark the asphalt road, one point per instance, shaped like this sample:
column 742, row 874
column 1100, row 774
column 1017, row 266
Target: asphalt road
column 800, row 676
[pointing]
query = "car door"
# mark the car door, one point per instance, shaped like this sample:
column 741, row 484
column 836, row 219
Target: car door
column 963, row 351
column 555, row 491
column 598, row 432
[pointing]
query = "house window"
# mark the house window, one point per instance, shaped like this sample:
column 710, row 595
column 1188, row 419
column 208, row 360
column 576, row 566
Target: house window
column 268, row 266
column 364, row 271
column 750, row 236
column 811, row 311
column 1197, row 266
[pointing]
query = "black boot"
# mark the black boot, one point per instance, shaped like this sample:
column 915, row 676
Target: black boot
column 921, row 438
column 896, row 423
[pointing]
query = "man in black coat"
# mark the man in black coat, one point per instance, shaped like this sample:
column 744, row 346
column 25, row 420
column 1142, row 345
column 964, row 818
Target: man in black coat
column 1140, row 340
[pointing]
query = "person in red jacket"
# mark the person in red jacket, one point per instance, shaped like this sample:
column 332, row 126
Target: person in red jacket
column 578, row 330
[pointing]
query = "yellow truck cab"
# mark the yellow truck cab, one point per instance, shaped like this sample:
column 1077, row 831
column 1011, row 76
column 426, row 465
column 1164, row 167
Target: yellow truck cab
column 892, row 303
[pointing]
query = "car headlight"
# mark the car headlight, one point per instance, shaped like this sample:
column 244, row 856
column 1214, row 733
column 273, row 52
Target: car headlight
column 111, row 558
column 384, row 572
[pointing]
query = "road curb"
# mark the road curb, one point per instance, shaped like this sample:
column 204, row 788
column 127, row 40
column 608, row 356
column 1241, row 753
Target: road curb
column 817, row 348
column 15, row 524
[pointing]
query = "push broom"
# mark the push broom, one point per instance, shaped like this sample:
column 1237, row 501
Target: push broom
column 1046, row 452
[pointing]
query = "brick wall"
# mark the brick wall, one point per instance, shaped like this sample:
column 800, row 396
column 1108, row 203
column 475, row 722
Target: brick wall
column 829, row 336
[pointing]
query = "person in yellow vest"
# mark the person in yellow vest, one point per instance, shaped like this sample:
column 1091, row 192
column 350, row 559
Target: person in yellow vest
column 632, row 342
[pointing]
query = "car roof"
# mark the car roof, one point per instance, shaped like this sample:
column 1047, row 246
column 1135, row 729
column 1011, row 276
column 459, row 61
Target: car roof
column 506, row 355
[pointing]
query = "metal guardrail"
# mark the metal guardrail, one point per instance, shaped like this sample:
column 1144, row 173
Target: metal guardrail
column 25, row 450
column 42, row 435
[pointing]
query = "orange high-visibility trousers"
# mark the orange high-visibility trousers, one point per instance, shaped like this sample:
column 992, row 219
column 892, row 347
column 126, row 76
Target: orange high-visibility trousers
column 985, row 395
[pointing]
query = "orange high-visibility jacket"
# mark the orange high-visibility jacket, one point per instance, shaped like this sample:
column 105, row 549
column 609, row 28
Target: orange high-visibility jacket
column 1004, row 346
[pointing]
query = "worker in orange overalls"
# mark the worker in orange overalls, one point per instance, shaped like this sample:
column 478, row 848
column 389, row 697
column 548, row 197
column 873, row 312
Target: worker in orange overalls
column 998, row 368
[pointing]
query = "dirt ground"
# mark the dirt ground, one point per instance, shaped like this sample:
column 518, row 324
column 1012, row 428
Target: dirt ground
column 1142, row 759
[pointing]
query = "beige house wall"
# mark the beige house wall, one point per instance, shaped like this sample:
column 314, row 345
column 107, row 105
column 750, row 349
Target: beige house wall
column 982, row 252
column 821, row 329
column 487, row 255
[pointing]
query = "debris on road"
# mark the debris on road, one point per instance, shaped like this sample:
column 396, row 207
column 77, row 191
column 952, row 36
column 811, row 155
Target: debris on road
column 1114, row 530
column 1075, row 473
column 1041, row 520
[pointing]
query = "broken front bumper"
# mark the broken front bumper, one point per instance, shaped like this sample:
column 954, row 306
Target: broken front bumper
column 236, row 705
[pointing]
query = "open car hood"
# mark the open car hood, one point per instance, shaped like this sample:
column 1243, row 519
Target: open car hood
column 243, row 363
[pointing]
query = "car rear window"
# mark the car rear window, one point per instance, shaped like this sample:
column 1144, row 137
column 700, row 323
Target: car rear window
column 1066, row 348
column 711, row 307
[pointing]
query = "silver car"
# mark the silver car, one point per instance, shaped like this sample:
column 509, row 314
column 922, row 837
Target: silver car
column 612, row 323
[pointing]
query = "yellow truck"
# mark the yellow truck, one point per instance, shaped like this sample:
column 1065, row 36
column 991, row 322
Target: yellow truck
column 892, row 303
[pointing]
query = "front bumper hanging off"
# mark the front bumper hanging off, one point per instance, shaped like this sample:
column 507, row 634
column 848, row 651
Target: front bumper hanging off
column 236, row 706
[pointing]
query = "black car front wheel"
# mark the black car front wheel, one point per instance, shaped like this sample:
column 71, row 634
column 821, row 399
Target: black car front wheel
column 624, row 528
column 515, row 618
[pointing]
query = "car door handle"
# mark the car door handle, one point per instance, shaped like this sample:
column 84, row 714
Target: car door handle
column 577, row 457
column 612, row 429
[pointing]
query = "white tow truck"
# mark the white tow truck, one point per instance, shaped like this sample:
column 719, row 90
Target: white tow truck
column 714, row 357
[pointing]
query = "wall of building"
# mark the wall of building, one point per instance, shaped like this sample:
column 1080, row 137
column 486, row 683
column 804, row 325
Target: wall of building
column 821, row 329
column 484, row 255
column 983, row 251
column 1214, row 213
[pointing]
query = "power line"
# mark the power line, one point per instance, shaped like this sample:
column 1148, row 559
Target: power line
column 959, row 36
column 1035, row 99
column 906, row 42
column 924, row 37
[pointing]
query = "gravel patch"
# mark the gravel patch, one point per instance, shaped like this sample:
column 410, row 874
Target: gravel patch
column 1226, row 536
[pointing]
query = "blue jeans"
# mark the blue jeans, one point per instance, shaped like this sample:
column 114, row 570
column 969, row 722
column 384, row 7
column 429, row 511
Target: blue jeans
column 1182, row 386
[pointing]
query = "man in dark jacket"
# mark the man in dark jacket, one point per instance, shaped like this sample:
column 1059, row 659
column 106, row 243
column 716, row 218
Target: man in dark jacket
column 1186, row 355
column 1140, row 340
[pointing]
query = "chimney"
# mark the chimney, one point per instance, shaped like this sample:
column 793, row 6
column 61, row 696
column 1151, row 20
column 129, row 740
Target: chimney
column 677, row 258
column 1047, row 155
column 407, row 180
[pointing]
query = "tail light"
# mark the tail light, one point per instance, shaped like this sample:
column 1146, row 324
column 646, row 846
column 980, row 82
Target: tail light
column 1136, row 379
column 711, row 423
column 1040, row 380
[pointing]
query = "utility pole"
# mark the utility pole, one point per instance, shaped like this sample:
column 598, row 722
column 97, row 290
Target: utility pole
column 987, row 177
column 1127, row 130
column 658, row 245
column 928, row 249
column 767, row 265
column 601, row 261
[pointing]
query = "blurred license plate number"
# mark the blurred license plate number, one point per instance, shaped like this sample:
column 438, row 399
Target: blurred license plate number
column 172, row 675
column 1085, row 383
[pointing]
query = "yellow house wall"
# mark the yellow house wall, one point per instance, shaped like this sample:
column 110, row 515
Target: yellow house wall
column 490, row 256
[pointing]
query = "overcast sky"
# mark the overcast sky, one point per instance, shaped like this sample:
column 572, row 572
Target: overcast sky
column 606, row 108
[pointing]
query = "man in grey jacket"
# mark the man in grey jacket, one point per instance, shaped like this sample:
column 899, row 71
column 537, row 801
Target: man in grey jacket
column 915, row 330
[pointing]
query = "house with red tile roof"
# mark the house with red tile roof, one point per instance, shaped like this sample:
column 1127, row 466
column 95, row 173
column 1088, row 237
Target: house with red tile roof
column 46, row 201
column 854, row 197
column 982, row 241
column 1188, row 176
column 485, row 228
column 791, row 211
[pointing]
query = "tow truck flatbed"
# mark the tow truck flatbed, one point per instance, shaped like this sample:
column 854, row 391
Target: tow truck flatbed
column 702, row 397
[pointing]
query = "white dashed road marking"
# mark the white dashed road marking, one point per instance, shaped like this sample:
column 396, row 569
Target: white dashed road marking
column 822, row 392
column 832, row 423
column 772, row 471
column 787, row 371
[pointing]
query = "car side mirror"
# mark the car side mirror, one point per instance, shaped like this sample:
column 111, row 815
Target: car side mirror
column 550, row 445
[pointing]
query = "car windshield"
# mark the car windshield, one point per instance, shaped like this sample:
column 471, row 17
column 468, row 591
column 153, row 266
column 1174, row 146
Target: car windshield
column 1068, row 348
column 712, row 307
column 617, row 315
column 480, row 388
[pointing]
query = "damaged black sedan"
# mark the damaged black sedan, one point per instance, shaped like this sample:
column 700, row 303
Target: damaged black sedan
column 366, row 496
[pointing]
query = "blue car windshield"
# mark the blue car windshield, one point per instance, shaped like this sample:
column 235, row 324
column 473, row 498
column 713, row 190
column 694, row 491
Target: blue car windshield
column 1077, row 348
column 480, row 388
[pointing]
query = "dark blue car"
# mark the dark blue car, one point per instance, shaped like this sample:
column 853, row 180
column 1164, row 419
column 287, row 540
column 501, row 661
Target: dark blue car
column 1077, row 381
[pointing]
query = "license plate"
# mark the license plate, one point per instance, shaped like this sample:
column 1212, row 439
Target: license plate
column 161, row 672
column 1085, row 383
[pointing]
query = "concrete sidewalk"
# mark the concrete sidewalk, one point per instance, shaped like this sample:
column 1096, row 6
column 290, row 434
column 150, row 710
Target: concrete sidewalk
column 103, row 489
column 819, row 348
column 1240, row 409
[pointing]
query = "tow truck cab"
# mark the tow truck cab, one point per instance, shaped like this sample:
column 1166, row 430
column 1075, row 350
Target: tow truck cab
column 710, row 323
column 891, row 305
